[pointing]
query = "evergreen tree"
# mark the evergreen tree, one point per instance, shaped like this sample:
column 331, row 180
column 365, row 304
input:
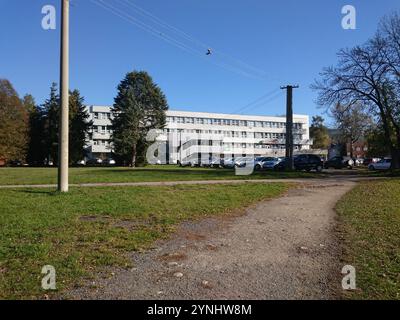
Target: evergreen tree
column 79, row 126
column 51, row 109
column 36, row 147
column 138, row 107
column 13, row 124
column 319, row 133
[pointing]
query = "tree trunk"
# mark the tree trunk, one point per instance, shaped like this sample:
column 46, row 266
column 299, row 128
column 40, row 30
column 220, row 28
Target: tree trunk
column 395, row 152
column 133, row 161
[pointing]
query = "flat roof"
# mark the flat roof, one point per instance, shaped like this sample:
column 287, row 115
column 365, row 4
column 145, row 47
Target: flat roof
column 200, row 114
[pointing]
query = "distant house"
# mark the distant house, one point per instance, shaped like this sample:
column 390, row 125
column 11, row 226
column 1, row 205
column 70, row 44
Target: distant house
column 358, row 149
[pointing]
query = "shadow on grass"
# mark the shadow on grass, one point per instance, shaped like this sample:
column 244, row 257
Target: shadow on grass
column 213, row 173
column 31, row 191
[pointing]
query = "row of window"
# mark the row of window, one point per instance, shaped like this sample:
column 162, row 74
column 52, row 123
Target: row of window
column 227, row 146
column 101, row 143
column 275, row 146
column 102, row 116
column 239, row 134
column 230, row 122
column 222, row 122
column 102, row 129
column 268, row 135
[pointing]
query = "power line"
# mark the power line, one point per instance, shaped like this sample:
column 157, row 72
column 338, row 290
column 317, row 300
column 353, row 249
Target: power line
column 263, row 103
column 131, row 19
column 187, row 36
column 258, row 100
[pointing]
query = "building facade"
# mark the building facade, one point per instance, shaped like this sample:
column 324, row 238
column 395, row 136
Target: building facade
column 99, row 140
column 208, row 135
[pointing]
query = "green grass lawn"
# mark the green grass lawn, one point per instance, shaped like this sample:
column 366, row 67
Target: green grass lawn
column 18, row 176
column 370, row 223
column 89, row 228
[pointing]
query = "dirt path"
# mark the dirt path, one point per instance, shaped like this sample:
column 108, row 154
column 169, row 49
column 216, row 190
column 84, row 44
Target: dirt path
column 331, row 179
column 280, row 249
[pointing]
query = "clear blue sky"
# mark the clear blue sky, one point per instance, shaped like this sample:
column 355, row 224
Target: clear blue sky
column 291, row 41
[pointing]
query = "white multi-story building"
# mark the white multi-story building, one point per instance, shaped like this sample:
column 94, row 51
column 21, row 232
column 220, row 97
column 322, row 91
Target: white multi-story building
column 210, row 134
column 99, row 140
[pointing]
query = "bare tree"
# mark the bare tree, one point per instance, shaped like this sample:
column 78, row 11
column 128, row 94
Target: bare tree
column 368, row 75
column 352, row 121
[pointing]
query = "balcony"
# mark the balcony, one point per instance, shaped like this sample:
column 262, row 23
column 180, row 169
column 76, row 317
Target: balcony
column 101, row 136
column 100, row 149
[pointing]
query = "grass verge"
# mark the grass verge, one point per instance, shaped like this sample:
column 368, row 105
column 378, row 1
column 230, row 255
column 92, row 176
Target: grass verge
column 370, row 224
column 90, row 228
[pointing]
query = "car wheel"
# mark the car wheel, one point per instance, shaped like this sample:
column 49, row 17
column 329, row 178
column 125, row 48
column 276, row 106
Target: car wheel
column 257, row 167
column 319, row 169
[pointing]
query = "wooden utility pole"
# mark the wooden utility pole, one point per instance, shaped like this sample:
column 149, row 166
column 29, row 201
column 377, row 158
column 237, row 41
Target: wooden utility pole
column 63, row 159
column 289, row 126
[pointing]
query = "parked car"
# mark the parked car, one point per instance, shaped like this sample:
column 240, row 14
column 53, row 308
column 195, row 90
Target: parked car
column 228, row 163
column 359, row 161
column 189, row 163
column 215, row 163
column 94, row 162
column 109, row 162
column 384, row 164
column 368, row 161
column 243, row 162
column 81, row 163
column 15, row 163
column 259, row 162
column 271, row 162
column 339, row 162
column 306, row 162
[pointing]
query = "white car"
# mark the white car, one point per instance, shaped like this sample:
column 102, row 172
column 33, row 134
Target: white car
column 189, row 163
column 110, row 162
column 383, row 164
column 81, row 163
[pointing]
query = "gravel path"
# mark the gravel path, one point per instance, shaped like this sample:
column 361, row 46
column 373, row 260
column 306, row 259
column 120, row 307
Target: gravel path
column 353, row 178
column 285, row 248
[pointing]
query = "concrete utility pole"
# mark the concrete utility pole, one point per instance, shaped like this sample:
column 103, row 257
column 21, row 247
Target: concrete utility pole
column 63, row 158
column 289, row 125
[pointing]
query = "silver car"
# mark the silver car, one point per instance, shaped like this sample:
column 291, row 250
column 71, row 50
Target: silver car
column 228, row 163
column 384, row 164
column 243, row 162
column 271, row 163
